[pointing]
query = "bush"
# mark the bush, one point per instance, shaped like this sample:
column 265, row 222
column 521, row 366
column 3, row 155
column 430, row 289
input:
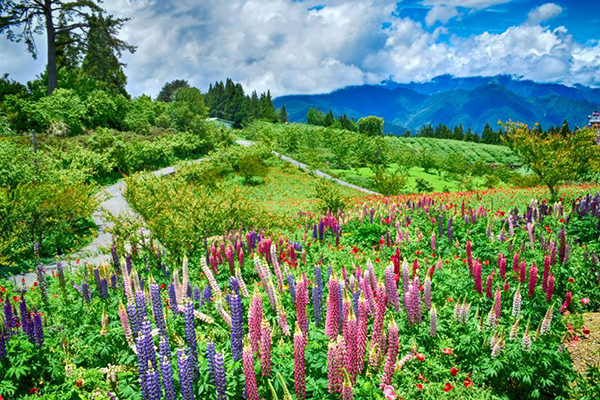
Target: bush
column 140, row 116
column 329, row 196
column 371, row 126
column 63, row 108
column 388, row 182
column 104, row 110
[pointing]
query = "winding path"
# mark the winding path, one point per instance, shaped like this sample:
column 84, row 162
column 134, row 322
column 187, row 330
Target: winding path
column 116, row 204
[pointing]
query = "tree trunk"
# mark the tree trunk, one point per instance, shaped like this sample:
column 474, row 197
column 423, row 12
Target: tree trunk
column 51, row 37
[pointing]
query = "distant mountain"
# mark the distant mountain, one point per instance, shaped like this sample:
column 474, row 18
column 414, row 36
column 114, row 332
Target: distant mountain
column 472, row 101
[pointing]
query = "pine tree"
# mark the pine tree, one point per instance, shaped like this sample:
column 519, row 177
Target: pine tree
column 329, row 119
column 169, row 88
column 283, row 117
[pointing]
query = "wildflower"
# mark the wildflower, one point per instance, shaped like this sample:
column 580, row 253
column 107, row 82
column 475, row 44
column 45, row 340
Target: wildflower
column 265, row 349
column 533, row 272
column 516, row 309
column 389, row 392
column 419, row 386
column 567, row 302
column 420, row 357
column 433, row 321
column 392, row 353
column 454, row 371
column 585, row 301
column 585, row 331
column 468, row 382
column 255, row 318
column 249, row 376
column 447, row 351
column 299, row 364
column 448, row 387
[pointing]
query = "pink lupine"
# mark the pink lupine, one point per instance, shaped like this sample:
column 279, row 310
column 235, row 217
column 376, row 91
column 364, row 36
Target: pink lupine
column 335, row 365
column 368, row 291
column 470, row 256
column 550, row 288
column 523, row 271
column 276, row 268
column 379, row 316
column 433, row 322
column 498, row 304
column 433, row 242
column 392, row 288
column 546, row 274
column 351, row 339
column 346, row 309
column 255, row 317
column 567, row 302
column 392, row 354
column 477, row 276
column 125, row 324
column 299, row 364
column 516, row 262
column 282, row 320
column 347, row 390
column 332, row 320
column 427, row 294
column 362, row 332
column 502, row 266
column 265, row 349
column 249, row 376
column 489, row 282
column 374, row 355
column 533, row 275
column 301, row 303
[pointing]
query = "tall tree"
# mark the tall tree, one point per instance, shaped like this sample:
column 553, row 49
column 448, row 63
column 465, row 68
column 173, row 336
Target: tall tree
column 65, row 20
column 283, row 116
column 168, row 90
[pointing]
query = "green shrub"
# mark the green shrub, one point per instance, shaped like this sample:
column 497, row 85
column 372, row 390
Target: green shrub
column 371, row 126
column 388, row 182
column 329, row 196
column 141, row 115
column 104, row 110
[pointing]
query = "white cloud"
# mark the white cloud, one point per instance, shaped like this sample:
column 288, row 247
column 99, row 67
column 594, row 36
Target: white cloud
column 543, row 13
column 445, row 10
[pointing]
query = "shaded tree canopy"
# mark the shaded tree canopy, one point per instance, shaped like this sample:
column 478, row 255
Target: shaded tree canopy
column 169, row 89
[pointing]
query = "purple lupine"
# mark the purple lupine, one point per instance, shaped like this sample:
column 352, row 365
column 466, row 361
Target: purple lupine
column 38, row 329
column 97, row 279
column 249, row 375
column 255, row 317
column 405, row 277
column 299, row 364
column 133, row 319
column 2, row 345
column 128, row 263
column 157, row 310
column 190, row 336
column 173, row 300
column 450, row 231
column 210, row 360
column 61, row 278
column 265, row 349
column 166, row 368
column 104, row 289
column 415, row 297
column 25, row 317
column 113, row 281
column 206, row 295
column 546, row 273
column 316, row 299
column 186, row 374
column 533, row 275
column 153, row 384
column 140, row 302
column 291, row 286
column 85, row 290
column 43, row 282
column 220, row 381
column 392, row 288
column 237, row 334
column 333, row 310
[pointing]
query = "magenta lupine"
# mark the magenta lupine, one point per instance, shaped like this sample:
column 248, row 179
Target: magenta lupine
column 415, row 299
column 249, row 375
column 347, row 389
column 567, row 302
column 470, row 256
column 302, row 300
column 533, row 275
column 433, row 242
column 362, row 332
column 489, row 282
column 255, row 317
column 546, row 274
column 333, row 309
column 392, row 354
column 265, row 349
column 392, row 288
column 550, row 288
column 523, row 271
column 299, row 364
column 516, row 262
column 351, row 340
column 502, row 266
column 477, row 277
column 379, row 316
column 405, row 276
column 433, row 321
column 498, row 304
column 335, row 365
column 427, row 294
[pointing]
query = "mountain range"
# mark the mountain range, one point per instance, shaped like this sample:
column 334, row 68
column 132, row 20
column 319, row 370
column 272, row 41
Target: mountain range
column 470, row 101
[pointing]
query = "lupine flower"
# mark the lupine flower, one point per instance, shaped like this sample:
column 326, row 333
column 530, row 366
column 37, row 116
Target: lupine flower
column 265, row 349
column 157, row 310
column 237, row 334
column 210, row 360
column 190, row 335
column 133, row 321
column 405, row 277
column 502, row 266
column 547, row 321
column 526, row 341
column 335, row 364
column 301, row 303
column 361, row 337
column 379, row 316
column 546, row 274
column 43, row 283
column 186, row 374
column 350, row 337
column 166, row 369
column 477, row 277
column 85, row 289
column 250, row 377
column 282, row 320
column 498, row 304
column 153, row 384
column 550, row 288
column 391, row 288
column 38, row 329
column 255, row 316
column 347, row 389
column 489, row 285
column 2, row 345
column 523, row 271
column 433, row 321
column 316, row 299
column 333, row 310
column 516, row 308
column 140, row 302
column 514, row 330
column 299, row 366
column 220, row 377
column 221, row 310
column 567, row 302
column 392, row 354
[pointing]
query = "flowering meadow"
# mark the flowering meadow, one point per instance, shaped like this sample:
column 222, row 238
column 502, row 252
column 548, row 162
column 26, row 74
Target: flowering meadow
column 476, row 295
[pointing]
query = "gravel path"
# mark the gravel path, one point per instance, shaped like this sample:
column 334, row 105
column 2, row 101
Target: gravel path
column 115, row 203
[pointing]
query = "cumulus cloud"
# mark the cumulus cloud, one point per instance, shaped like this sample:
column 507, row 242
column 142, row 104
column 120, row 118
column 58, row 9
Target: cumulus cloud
column 445, row 10
column 543, row 13
column 297, row 47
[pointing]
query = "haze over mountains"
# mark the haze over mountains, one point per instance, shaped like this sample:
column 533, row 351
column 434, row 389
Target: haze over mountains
column 471, row 101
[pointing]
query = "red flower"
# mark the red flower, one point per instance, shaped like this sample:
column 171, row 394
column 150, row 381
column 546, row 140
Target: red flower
column 447, row 351
column 453, row 371
column 34, row 390
column 421, row 357
column 585, row 301
column 486, row 262
column 420, row 386
column 449, row 299
column 419, row 252
column 421, row 377
column 79, row 383
column 468, row 382
column 377, row 260
column 162, row 286
column 572, row 280
column 585, row 331
column 448, row 387
column 35, row 283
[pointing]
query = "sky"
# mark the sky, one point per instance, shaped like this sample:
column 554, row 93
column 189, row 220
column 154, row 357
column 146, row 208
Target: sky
column 316, row 46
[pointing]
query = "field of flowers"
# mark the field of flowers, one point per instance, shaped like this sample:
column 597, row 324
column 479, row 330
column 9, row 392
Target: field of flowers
column 476, row 295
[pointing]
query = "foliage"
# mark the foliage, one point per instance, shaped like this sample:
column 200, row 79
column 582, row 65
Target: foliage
column 371, row 126
column 329, row 196
column 388, row 182
column 554, row 157
column 168, row 90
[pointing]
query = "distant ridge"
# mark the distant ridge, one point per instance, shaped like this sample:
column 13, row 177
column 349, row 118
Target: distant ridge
column 471, row 101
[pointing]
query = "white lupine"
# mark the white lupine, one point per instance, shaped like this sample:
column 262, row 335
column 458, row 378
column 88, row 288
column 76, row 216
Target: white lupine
column 514, row 330
column 240, row 279
column 517, row 300
column 210, row 277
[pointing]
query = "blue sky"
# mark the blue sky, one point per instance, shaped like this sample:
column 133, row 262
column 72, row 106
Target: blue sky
column 315, row 46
